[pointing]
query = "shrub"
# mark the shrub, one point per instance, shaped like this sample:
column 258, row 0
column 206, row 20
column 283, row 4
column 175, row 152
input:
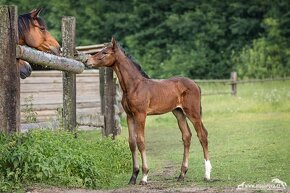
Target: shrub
column 57, row 158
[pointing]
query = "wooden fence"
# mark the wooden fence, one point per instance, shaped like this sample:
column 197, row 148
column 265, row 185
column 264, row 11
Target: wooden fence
column 9, row 72
column 233, row 82
column 41, row 97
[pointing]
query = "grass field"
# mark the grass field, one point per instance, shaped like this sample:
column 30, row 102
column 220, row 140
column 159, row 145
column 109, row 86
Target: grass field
column 249, row 138
column 249, row 141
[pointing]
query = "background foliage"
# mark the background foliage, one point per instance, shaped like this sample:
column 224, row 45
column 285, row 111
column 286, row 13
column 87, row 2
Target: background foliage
column 200, row 39
column 57, row 158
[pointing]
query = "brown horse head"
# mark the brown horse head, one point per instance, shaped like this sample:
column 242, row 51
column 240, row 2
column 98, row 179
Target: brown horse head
column 33, row 33
column 24, row 68
column 106, row 57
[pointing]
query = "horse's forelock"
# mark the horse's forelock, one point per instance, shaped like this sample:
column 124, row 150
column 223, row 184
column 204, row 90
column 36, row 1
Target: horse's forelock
column 24, row 22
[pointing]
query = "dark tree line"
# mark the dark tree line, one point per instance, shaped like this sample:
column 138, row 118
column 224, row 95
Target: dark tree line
column 199, row 39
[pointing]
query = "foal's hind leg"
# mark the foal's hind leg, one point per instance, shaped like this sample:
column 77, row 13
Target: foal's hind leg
column 186, row 138
column 202, row 134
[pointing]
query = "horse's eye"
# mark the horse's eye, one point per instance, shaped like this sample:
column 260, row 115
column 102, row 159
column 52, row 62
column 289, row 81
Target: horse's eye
column 42, row 29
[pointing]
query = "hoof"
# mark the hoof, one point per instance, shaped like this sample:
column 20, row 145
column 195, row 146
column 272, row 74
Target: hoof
column 143, row 183
column 180, row 178
column 206, row 179
column 132, row 181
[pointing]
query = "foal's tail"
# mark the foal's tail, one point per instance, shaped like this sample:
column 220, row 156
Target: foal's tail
column 204, row 128
column 200, row 101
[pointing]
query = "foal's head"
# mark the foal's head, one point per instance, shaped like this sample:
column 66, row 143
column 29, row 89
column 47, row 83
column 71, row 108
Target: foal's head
column 33, row 33
column 106, row 57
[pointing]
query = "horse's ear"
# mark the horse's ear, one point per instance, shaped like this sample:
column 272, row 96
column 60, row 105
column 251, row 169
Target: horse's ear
column 114, row 43
column 35, row 12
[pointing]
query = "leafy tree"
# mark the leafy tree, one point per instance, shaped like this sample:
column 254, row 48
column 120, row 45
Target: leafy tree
column 198, row 39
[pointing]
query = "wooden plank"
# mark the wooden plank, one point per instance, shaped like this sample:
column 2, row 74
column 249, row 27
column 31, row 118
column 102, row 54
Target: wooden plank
column 89, row 88
column 9, row 71
column 213, row 81
column 91, row 49
column 262, row 80
column 47, row 115
column 47, row 97
column 42, row 80
column 46, row 89
column 44, row 107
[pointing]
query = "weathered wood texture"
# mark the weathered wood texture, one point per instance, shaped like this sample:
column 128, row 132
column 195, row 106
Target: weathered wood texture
column 69, row 79
column 234, row 79
column 91, row 49
column 55, row 62
column 109, row 96
column 102, row 88
column 9, row 72
column 46, row 89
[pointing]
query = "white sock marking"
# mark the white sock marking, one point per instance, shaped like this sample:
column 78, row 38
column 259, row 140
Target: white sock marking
column 144, row 178
column 208, row 167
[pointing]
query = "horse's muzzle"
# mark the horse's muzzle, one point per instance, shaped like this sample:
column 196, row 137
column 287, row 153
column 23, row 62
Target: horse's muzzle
column 55, row 50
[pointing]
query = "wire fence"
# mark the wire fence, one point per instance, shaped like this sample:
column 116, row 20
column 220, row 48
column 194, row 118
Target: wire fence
column 230, row 86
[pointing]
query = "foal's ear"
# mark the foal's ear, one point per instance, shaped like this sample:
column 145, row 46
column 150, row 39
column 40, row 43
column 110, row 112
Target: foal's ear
column 35, row 12
column 114, row 43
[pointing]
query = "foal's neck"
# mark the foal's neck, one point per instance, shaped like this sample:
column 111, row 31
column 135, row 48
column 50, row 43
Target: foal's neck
column 128, row 74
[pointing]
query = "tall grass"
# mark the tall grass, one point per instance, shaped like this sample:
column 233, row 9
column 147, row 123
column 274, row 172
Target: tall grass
column 57, row 158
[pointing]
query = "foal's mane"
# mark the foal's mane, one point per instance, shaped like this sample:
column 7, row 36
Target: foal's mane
column 132, row 59
column 24, row 22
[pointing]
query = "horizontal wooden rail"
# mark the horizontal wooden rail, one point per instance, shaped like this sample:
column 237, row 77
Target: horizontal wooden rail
column 233, row 82
column 215, row 93
column 224, row 81
column 91, row 49
column 262, row 80
column 45, row 59
column 228, row 81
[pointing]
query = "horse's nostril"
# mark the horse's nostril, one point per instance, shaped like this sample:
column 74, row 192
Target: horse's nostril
column 55, row 50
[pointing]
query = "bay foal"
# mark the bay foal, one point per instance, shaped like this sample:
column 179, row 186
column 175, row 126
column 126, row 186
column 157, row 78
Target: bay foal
column 143, row 96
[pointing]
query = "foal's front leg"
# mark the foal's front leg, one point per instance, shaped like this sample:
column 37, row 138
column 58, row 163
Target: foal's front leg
column 139, row 126
column 133, row 144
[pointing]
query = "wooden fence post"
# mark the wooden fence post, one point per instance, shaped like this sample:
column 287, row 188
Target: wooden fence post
column 234, row 79
column 69, row 79
column 9, row 71
column 102, row 87
column 109, row 100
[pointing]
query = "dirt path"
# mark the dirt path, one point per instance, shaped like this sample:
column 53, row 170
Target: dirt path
column 151, row 188
column 160, row 182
